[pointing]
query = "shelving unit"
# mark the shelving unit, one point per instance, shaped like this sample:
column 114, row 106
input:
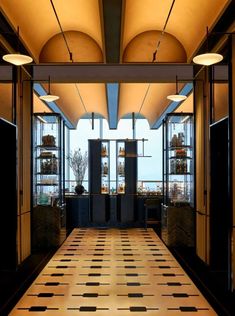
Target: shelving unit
column 178, row 160
column 178, row 180
column 105, row 168
column 48, row 213
column 126, row 180
column 120, row 167
column 48, row 182
column 99, row 183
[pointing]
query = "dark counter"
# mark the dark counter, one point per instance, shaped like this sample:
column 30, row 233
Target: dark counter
column 108, row 210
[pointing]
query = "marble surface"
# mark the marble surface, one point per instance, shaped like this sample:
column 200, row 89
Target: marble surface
column 113, row 272
column 178, row 226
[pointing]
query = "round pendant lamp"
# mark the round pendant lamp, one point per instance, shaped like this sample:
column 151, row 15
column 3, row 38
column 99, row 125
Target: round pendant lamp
column 176, row 97
column 49, row 97
column 207, row 59
column 17, row 59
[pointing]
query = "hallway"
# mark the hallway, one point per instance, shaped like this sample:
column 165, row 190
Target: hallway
column 112, row 271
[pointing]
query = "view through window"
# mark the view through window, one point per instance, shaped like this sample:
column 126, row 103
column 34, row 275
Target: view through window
column 149, row 166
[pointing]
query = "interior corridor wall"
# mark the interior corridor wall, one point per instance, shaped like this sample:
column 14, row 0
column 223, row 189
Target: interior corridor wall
column 233, row 157
column 23, row 116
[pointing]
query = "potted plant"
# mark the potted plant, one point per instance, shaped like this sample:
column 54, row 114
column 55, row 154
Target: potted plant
column 78, row 162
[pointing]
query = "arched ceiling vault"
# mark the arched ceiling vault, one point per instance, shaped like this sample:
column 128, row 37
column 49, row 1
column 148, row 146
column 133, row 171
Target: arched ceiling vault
column 117, row 31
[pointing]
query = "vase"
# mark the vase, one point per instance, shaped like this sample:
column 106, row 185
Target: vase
column 79, row 189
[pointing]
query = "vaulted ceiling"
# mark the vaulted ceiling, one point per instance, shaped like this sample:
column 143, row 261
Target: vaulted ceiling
column 112, row 32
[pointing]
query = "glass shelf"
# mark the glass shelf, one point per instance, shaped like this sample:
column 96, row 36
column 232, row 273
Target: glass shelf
column 105, row 167
column 120, row 166
column 48, row 159
column 178, row 174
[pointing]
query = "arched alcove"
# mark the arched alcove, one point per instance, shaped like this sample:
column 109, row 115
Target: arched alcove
column 142, row 47
column 83, row 47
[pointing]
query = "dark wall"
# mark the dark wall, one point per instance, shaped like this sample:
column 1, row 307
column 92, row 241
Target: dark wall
column 220, row 215
column 8, row 195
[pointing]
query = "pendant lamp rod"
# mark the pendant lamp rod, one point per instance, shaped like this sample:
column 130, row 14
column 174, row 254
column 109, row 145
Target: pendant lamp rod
column 49, row 85
column 18, row 39
column 207, row 39
column 176, row 85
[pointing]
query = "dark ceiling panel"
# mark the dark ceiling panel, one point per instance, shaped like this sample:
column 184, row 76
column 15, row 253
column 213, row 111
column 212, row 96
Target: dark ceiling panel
column 112, row 14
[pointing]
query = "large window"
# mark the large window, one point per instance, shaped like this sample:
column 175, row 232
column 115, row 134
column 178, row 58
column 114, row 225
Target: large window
column 149, row 168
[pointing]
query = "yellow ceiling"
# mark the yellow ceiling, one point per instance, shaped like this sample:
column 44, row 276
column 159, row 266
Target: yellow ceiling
column 186, row 106
column 39, row 106
column 80, row 99
column 188, row 20
column 38, row 23
column 144, row 98
column 143, row 21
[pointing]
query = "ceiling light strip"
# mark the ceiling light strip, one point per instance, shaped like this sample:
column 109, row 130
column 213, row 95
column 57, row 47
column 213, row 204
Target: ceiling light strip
column 163, row 31
column 69, row 51
column 155, row 53
column 61, row 30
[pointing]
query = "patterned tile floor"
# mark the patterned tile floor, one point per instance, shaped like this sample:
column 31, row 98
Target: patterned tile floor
column 114, row 271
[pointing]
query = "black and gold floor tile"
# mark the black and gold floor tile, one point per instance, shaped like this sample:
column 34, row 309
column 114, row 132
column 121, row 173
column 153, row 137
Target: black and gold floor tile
column 118, row 271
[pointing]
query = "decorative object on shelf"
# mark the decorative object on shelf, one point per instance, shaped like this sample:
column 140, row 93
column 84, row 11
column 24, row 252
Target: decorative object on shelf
column 105, row 168
column 121, row 188
column 17, row 59
column 78, row 162
column 121, row 151
column 79, row 189
column 103, row 151
column 177, row 141
column 104, row 188
column 48, row 141
column 49, row 166
column 121, row 169
column 176, row 97
column 46, row 155
column 44, row 199
column 180, row 153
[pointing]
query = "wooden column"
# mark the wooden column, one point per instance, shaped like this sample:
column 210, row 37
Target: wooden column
column 23, row 118
column 201, row 99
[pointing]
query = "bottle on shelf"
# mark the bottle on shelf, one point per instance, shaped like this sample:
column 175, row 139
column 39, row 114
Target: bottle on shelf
column 103, row 151
column 180, row 139
column 121, row 151
column 173, row 166
column 105, row 168
column 174, row 141
column 121, row 170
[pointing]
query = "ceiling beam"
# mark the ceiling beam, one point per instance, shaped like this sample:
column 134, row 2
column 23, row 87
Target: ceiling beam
column 112, row 15
column 95, row 73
